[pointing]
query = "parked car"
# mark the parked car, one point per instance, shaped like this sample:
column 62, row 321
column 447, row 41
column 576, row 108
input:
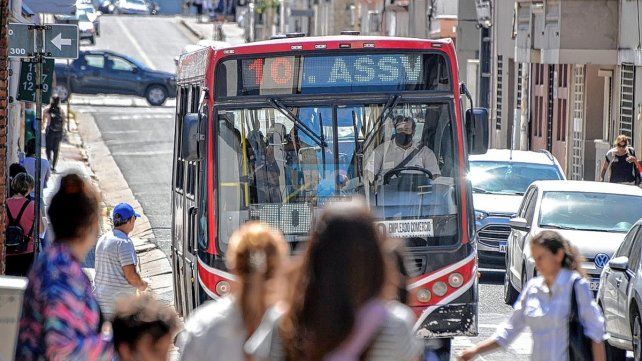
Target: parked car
column 107, row 6
column 593, row 216
column 499, row 179
column 106, row 72
column 620, row 297
column 134, row 7
column 92, row 14
column 86, row 29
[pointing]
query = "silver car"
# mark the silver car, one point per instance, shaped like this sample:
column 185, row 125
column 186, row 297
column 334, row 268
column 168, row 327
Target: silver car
column 499, row 179
column 620, row 297
column 592, row 216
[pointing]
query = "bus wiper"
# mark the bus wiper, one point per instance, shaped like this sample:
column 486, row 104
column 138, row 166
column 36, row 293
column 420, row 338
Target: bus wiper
column 480, row 190
column 392, row 102
column 276, row 104
column 557, row 226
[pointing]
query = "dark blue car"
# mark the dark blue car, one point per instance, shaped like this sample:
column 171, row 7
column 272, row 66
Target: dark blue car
column 106, row 72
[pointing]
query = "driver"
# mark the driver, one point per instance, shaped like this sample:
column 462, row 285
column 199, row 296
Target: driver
column 392, row 153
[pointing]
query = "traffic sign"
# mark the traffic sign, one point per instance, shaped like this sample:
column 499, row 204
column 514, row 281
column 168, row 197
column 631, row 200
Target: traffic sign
column 61, row 41
column 27, row 86
column 21, row 44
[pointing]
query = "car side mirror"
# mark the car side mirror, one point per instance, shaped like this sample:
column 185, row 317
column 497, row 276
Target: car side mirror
column 519, row 224
column 619, row 263
column 477, row 130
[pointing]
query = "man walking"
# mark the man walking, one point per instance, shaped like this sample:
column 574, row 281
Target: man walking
column 116, row 261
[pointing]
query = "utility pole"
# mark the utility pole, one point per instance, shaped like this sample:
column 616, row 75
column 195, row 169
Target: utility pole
column 484, row 22
column 39, row 54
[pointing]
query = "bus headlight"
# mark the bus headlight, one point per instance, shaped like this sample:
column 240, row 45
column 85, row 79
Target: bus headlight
column 423, row 295
column 223, row 288
column 455, row 280
column 439, row 288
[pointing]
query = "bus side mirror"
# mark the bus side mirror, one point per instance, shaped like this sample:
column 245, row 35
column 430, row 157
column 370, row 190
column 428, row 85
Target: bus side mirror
column 190, row 137
column 477, row 130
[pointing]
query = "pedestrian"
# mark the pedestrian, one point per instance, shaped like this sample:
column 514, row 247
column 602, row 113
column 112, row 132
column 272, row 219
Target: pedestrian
column 19, row 219
column 30, row 122
column 29, row 162
column 218, row 330
column 336, row 309
column 116, row 261
column 198, row 5
column 143, row 328
column 60, row 317
column 621, row 162
column 545, row 305
column 14, row 170
column 55, row 119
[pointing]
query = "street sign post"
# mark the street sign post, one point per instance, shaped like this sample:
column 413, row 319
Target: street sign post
column 27, row 85
column 38, row 42
column 21, row 44
column 61, row 41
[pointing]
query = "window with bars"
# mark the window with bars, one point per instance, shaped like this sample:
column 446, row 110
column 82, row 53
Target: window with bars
column 499, row 93
column 519, row 84
column 627, row 94
column 577, row 150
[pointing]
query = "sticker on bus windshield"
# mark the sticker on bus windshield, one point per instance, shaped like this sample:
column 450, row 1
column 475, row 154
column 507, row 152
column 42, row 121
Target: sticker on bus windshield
column 407, row 228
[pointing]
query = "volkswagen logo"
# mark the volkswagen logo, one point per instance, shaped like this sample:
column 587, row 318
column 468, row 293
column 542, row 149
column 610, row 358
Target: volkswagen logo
column 601, row 260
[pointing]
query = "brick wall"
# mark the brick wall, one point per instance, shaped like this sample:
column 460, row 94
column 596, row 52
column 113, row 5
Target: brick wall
column 4, row 93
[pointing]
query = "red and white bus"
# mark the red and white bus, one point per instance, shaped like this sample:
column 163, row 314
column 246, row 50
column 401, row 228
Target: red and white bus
column 273, row 130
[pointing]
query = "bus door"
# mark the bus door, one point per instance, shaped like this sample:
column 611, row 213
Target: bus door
column 177, row 204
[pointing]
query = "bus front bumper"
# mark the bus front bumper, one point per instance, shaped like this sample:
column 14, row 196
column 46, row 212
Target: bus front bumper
column 448, row 320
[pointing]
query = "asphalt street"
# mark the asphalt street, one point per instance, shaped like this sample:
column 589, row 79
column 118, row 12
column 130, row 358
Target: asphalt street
column 140, row 139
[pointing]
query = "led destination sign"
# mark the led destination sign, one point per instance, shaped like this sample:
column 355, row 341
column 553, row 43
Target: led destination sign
column 332, row 74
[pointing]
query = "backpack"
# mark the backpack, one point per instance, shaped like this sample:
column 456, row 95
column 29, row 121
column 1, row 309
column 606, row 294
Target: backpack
column 16, row 239
column 55, row 120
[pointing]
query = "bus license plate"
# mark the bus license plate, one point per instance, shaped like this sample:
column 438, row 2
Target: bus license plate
column 407, row 228
column 594, row 285
column 502, row 247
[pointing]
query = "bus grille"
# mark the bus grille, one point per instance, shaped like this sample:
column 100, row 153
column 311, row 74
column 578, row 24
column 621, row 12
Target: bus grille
column 493, row 234
column 289, row 218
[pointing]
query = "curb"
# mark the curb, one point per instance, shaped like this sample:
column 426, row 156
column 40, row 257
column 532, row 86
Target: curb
column 153, row 262
column 191, row 29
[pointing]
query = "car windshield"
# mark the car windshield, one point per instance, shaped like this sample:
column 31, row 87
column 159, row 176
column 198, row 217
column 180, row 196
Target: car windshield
column 282, row 164
column 590, row 211
column 508, row 177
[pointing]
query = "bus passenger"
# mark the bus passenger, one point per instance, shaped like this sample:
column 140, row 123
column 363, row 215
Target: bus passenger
column 218, row 330
column 401, row 150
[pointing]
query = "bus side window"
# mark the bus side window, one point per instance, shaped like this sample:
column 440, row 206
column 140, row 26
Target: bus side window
column 182, row 110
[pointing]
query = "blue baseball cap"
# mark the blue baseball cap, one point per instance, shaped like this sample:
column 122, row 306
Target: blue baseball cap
column 123, row 212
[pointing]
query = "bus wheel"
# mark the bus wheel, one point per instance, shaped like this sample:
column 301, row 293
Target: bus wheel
column 437, row 350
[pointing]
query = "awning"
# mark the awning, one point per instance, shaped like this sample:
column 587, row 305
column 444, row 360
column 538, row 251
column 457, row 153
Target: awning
column 50, row 6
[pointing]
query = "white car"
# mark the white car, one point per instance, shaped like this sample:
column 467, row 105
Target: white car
column 593, row 216
column 499, row 179
column 620, row 297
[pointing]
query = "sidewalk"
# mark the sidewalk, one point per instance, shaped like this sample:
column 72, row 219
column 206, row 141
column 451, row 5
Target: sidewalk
column 91, row 158
column 228, row 32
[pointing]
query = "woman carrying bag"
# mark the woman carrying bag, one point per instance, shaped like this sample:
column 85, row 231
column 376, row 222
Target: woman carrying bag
column 550, row 305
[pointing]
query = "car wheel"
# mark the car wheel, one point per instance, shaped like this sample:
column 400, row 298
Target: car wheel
column 636, row 330
column 510, row 293
column 613, row 353
column 62, row 91
column 156, row 95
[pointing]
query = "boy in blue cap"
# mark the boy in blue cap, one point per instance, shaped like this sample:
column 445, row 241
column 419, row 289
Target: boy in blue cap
column 116, row 261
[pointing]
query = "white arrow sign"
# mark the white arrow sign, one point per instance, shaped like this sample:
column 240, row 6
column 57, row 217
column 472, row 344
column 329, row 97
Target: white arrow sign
column 58, row 41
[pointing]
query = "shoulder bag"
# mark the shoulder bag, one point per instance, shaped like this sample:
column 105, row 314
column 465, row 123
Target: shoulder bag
column 580, row 347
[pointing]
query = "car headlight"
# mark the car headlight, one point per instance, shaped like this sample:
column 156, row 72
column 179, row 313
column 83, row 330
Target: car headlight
column 480, row 216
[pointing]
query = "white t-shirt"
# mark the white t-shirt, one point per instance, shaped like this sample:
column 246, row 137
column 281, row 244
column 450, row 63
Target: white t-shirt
column 30, row 165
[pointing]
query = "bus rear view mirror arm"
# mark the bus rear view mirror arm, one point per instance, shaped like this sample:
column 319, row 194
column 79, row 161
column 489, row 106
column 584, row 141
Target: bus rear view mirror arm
column 477, row 130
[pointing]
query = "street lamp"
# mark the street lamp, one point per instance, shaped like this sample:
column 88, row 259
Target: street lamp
column 484, row 15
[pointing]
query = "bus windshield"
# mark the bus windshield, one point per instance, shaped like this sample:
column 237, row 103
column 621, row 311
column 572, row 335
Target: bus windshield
column 281, row 165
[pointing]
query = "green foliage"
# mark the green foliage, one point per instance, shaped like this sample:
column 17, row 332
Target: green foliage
column 262, row 5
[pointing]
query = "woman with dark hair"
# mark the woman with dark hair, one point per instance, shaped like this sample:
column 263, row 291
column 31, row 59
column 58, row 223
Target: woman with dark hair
column 545, row 305
column 337, row 309
column 55, row 117
column 61, row 319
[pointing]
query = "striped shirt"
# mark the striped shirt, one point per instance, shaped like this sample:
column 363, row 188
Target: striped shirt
column 114, row 250
column 395, row 341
